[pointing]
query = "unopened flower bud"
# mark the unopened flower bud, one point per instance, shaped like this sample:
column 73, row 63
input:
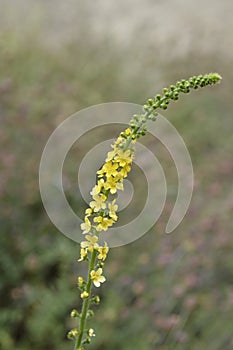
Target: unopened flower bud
column 96, row 299
column 73, row 333
column 90, row 313
column 74, row 313
column 84, row 295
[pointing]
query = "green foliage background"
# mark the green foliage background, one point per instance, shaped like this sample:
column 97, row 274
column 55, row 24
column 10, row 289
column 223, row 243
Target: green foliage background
column 163, row 292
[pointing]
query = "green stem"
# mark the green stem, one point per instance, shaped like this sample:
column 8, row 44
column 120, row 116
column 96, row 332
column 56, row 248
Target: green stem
column 86, row 302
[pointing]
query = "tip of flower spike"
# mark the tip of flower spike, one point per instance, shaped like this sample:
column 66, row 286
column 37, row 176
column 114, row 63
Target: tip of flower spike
column 214, row 77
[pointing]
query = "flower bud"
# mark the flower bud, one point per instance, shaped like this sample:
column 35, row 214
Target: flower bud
column 96, row 299
column 91, row 332
column 87, row 340
column 150, row 101
column 90, row 313
column 73, row 333
column 74, row 313
column 84, row 295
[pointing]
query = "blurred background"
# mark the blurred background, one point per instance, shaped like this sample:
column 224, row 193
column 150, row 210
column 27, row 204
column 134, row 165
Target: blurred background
column 163, row 291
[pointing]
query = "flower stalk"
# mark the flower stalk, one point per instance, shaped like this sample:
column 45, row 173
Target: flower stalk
column 86, row 303
column 102, row 211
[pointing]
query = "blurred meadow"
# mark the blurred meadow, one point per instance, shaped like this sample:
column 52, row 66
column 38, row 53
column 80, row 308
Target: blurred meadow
column 163, row 291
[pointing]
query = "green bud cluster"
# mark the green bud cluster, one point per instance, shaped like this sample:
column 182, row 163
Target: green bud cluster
column 138, row 126
column 184, row 86
column 161, row 101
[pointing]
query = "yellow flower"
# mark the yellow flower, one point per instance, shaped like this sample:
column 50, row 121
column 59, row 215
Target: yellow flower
column 88, row 212
column 83, row 254
column 86, row 226
column 123, row 158
column 97, row 188
column 103, row 223
column 118, row 141
column 99, row 202
column 90, row 244
column 97, row 277
column 112, row 210
column 113, row 185
column 84, row 295
column 103, row 251
column 125, row 170
column 109, row 169
column 111, row 154
column 128, row 132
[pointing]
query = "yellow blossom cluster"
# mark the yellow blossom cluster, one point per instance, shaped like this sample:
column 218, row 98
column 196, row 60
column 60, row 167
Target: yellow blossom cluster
column 101, row 213
column 91, row 244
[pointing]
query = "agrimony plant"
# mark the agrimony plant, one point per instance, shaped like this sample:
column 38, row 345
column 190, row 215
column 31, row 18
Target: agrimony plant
column 102, row 211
